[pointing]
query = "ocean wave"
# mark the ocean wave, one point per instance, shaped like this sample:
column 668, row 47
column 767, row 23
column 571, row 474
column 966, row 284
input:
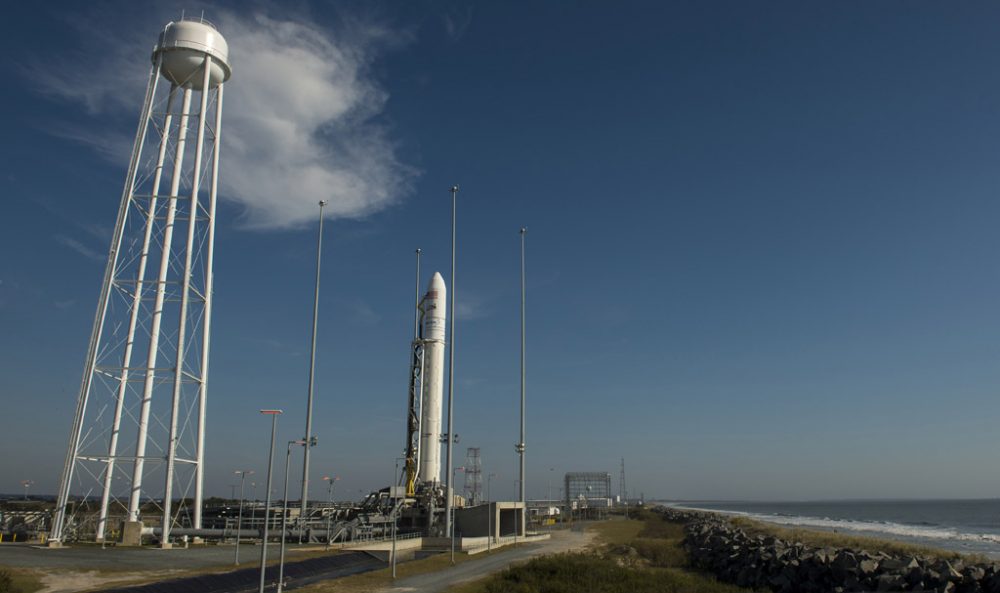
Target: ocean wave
column 923, row 531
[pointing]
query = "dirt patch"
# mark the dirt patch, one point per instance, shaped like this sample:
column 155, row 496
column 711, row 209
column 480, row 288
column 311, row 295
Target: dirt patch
column 75, row 581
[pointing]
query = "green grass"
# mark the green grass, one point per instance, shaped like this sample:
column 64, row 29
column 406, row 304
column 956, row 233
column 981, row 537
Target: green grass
column 616, row 531
column 571, row 573
column 14, row 580
column 660, row 553
column 642, row 554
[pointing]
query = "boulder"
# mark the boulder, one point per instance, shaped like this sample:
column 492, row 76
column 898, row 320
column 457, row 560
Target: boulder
column 766, row 562
column 867, row 567
column 890, row 582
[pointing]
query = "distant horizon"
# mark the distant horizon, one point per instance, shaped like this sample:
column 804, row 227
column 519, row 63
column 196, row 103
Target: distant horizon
column 814, row 500
column 647, row 500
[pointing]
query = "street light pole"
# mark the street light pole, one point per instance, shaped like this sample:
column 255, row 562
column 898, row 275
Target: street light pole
column 329, row 510
column 284, row 515
column 521, row 445
column 312, row 371
column 448, row 503
column 267, row 505
column 239, row 519
column 455, row 471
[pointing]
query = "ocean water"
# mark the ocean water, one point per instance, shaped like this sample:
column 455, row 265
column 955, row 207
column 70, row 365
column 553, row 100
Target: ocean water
column 971, row 526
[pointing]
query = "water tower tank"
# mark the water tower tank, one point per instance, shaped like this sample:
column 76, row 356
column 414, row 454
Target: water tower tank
column 184, row 45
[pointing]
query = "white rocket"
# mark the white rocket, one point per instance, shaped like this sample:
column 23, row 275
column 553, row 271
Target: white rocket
column 433, row 376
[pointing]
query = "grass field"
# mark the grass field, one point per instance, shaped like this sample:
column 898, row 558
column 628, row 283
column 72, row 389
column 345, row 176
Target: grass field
column 617, row 532
column 16, row 580
column 640, row 555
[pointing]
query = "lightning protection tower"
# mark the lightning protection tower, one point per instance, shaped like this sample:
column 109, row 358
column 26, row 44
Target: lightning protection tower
column 138, row 435
column 473, row 476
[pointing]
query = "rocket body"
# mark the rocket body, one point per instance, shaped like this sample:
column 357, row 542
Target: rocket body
column 433, row 377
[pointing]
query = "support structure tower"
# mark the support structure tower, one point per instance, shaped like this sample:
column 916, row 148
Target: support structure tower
column 137, row 442
column 473, row 476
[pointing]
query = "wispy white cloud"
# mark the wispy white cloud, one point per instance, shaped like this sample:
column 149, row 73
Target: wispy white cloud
column 455, row 25
column 363, row 313
column 469, row 306
column 97, row 231
column 80, row 248
column 300, row 119
column 112, row 145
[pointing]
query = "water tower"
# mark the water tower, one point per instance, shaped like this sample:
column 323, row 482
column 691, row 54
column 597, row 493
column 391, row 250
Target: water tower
column 138, row 435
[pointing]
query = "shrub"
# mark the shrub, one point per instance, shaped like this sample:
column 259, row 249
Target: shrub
column 572, row 573
column 6, row 582
column 657, row 527
column 660, row 552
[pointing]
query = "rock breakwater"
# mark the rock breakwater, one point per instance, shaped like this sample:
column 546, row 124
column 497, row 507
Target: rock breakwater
column 731, row 554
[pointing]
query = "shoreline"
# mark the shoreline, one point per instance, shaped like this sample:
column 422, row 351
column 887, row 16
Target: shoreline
column 945, row 538
column 754, row 555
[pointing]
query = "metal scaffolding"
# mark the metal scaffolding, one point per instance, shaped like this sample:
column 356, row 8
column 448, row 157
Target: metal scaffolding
column 473, row 476
column 588, row 489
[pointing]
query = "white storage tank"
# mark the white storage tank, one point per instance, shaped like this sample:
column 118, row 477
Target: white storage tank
column 184, row 45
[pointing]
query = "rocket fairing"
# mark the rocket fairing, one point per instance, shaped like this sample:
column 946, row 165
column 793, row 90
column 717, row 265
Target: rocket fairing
column 434, row 322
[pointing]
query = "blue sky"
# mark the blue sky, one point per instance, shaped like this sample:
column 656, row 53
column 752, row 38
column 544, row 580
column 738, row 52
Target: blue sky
column 762, row 235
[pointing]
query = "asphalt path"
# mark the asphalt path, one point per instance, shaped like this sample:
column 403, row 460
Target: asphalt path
column 435, row 582
column 92, row 557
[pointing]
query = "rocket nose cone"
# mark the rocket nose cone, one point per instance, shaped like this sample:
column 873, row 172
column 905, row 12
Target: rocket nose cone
column 437, row 282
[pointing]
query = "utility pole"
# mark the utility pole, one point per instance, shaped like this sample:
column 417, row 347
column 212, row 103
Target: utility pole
column 239, row 519
column 284, row 514
column 492, row 509
column 267, row 505
column 449, row 527
column 623, row 489
column 520, row 445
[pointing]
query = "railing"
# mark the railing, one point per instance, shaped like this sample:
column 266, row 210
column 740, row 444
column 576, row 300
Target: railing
column 198, row 19
column 386, row 538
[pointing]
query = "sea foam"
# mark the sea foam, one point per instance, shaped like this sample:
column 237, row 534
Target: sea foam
column 922, row 532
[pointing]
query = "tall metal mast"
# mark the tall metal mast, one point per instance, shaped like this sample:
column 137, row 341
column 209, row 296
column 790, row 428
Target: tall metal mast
column 520, row 445
column 451, row 370
column 308, row 440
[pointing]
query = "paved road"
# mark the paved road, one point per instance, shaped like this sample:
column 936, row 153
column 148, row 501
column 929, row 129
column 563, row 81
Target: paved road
column 435, row 582
column 84, row 567
column 72, row 568
column 92, row 557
